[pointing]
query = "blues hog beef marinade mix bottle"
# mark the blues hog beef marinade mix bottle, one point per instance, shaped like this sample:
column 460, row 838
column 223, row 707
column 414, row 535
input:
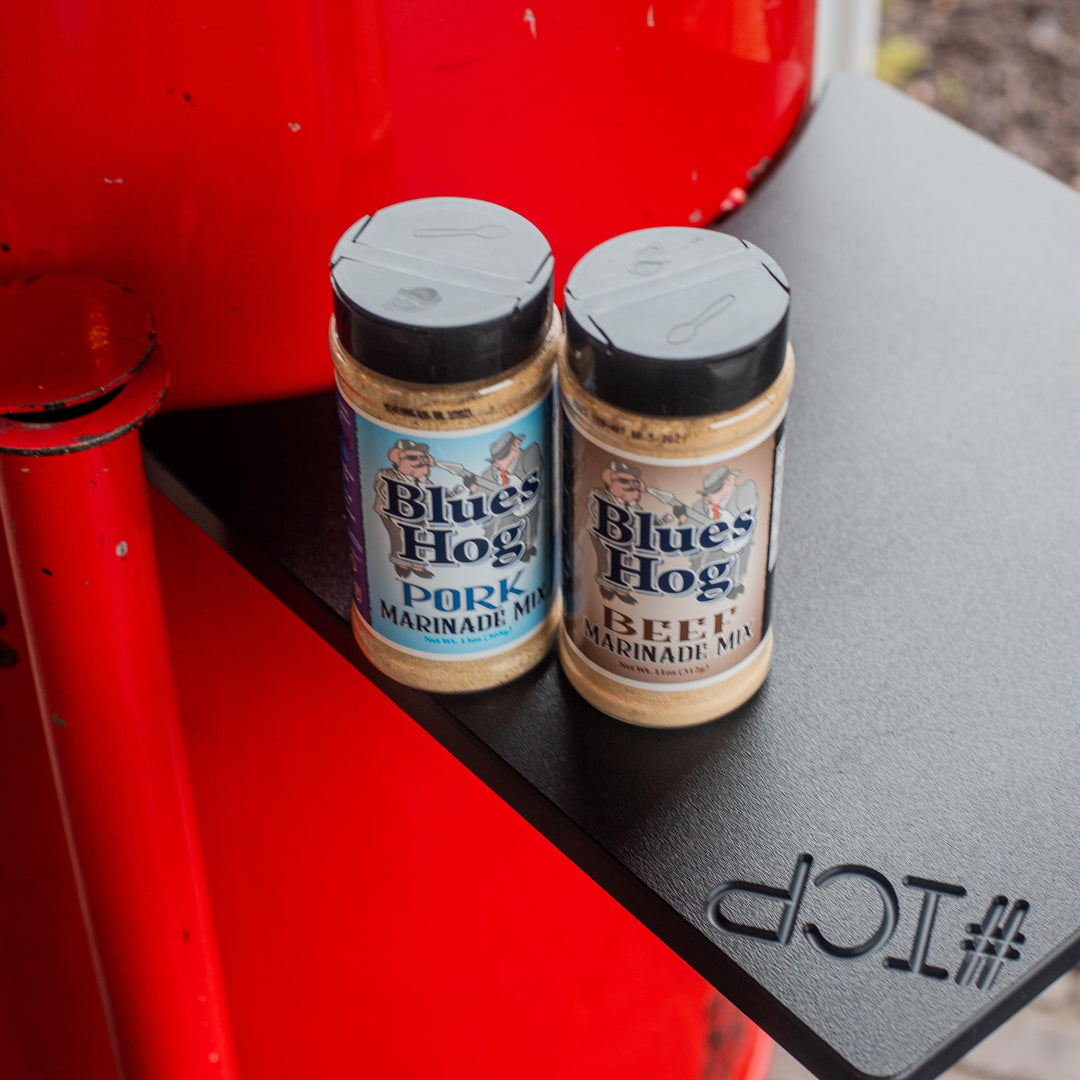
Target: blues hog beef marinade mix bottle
column 674, row 384
column 444, row 339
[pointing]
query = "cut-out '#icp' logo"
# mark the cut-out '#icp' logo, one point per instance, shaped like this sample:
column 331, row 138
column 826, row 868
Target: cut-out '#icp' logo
column 985, row 946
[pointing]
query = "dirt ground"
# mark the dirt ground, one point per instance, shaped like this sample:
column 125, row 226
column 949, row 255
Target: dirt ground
column 1009, row 69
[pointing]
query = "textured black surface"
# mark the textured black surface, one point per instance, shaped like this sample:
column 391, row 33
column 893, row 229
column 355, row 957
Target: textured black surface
column 919, row 722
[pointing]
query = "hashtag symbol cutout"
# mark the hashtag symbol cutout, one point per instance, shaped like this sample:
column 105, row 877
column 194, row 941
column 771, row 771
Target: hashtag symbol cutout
column 992, row 942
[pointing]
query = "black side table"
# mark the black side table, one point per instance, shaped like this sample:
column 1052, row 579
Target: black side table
column 876, row 858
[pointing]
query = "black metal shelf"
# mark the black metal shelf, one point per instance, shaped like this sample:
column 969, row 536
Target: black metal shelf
column 916, row 737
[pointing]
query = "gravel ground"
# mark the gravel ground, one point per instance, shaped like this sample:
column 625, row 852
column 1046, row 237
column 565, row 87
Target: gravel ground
column 1042, row 1042
column 1010, row 69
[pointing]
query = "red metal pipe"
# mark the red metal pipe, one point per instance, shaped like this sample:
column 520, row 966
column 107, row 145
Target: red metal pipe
column 76, row 515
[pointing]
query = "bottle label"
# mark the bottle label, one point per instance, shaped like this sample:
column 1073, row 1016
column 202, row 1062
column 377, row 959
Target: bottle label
column 450, row 531
column 667, row 565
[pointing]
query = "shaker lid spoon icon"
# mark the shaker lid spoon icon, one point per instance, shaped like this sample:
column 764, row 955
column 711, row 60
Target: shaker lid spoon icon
column 490, row 231
column 685, row 332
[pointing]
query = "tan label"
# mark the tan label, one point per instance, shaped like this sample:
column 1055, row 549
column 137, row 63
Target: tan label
column 666, row 565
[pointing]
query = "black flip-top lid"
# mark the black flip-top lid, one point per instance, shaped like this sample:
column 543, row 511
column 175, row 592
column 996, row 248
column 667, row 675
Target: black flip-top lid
column 442, row 290
column 677, row 321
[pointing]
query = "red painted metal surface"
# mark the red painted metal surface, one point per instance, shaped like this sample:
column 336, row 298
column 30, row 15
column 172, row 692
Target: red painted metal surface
column 210, row 153
column 51, row 1021
column 380, row 912
column 86, row 336
column 76, row 517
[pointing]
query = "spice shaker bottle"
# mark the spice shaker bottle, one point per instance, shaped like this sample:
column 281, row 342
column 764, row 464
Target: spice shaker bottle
column 444, row 340
column 674, row 383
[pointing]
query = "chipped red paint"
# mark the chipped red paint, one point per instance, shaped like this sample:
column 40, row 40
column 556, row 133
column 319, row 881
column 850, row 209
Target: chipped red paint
column 210, row 153
column 87, row 337
column 330, row 817
column 76, row 518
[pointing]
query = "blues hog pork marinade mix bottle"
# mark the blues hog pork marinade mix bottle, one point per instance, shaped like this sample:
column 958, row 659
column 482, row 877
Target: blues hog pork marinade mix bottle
column 674, row 384
column 444, row 339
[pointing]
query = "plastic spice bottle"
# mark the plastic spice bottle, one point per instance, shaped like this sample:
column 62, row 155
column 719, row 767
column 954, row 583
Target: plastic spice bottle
column 444, row 339
column 674, row 384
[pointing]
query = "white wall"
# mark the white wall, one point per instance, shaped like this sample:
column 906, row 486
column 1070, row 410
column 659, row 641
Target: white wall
column 847, row 38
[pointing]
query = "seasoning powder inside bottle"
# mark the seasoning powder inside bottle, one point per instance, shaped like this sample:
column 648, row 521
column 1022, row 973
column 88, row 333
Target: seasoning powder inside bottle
column 444, row 340
column 674, row 385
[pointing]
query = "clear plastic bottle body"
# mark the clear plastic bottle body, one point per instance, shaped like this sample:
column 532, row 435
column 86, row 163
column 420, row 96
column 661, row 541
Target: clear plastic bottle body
column 421, row 413
column 624, row 677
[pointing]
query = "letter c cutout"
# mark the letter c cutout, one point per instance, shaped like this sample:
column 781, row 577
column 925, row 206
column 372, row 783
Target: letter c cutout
column 889, row 915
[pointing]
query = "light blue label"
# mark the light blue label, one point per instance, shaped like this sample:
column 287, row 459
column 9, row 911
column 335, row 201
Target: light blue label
column 451, row 531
